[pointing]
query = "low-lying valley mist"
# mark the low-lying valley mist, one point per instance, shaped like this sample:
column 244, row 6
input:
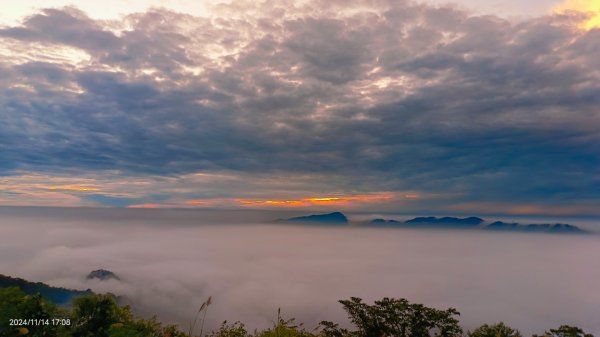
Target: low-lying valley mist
column 169, row 261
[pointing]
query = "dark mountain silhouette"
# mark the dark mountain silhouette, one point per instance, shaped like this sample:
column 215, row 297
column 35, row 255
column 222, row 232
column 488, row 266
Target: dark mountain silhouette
column 554, row 228
column 445, row 221
column 384, row 221
column 335, row 217
column 502, row 226
column 102, row 275
column 58, row 296
column 475, row 222
column 545, row 228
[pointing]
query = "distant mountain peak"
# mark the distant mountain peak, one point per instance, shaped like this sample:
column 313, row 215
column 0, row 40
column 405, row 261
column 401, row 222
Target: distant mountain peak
column 383, row 221
column 335, row 217
column 547, row 228
column 470, row 221
column 102, row 275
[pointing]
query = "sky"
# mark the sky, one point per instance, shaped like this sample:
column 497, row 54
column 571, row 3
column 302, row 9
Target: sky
column 475, row 107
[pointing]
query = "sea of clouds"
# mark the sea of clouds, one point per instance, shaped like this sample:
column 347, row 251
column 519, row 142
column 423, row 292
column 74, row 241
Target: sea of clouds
column 169, row 262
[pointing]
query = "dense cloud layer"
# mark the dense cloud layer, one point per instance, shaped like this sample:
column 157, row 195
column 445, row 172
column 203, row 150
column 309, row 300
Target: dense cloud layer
column 404, row 95
column 171, row 261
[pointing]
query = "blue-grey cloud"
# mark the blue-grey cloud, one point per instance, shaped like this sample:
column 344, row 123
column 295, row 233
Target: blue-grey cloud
column 110, row 201
column 106, row 200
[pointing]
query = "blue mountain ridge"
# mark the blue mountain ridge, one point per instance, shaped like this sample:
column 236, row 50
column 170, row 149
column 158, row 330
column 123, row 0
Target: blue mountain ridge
column 476, row 223
column 56, row 295
column 549, row 228
column 471, row 222
column 60, row 296
column 335, row 217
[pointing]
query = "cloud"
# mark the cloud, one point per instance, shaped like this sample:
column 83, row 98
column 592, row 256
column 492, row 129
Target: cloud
column 387, row 96
column 109, row 201
column 72, row 188
column 589, row 8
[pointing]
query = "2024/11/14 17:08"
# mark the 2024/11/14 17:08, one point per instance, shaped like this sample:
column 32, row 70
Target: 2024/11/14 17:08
column 39, row 321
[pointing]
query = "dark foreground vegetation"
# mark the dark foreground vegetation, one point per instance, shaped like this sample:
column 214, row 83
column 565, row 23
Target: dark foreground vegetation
column 101, row 316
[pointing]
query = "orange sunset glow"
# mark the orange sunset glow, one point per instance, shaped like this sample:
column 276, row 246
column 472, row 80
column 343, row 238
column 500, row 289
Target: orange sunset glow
column 318, row 201
column 198, row 202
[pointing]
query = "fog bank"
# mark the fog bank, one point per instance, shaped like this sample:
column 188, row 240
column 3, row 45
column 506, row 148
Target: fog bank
column 170, row 261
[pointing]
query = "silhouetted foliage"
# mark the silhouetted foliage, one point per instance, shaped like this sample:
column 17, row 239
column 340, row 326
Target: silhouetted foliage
column 94, row 315
column 15, row 304
column 395, row 317
column 91, row 316
column 236, row 329
column 284, row 328
column 101, row 316
column 494, row 330
column 565, row 331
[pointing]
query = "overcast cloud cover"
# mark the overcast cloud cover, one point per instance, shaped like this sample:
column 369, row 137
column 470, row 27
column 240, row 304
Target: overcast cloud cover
column 316, row 98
